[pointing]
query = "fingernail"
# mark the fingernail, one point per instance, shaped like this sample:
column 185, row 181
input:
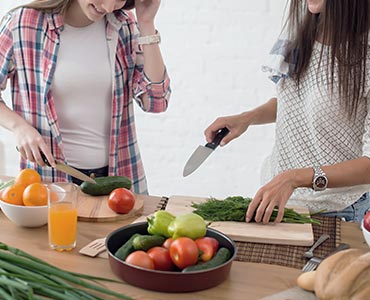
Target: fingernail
column 247, row 219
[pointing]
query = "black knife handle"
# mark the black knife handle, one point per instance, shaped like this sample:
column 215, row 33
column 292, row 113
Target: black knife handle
column 218, row 137
column 45, row 159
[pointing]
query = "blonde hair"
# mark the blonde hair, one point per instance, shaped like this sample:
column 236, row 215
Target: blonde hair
column 49, row 6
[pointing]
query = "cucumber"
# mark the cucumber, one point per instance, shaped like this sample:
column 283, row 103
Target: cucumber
column 105, row 185
column 126, row 248
column 145, row 242
column 221, row 256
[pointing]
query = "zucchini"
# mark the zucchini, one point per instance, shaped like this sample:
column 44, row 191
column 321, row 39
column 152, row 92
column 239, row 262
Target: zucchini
column 105, row 185
column 222, row 255
column 126, row 248
column 145, row 242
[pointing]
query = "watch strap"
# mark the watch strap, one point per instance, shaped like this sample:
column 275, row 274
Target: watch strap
column 150, row 39
column 318, row 172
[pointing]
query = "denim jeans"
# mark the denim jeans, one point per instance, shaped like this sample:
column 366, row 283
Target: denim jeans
column 354, row 212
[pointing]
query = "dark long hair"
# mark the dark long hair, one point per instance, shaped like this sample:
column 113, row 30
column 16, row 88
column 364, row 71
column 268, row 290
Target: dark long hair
column 344, row 26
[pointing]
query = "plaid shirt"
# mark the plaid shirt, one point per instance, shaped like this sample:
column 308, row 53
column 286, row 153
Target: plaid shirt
column 28, row 55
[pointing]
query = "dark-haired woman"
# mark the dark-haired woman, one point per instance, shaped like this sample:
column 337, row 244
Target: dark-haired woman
column 75, row 67
column 321, row 156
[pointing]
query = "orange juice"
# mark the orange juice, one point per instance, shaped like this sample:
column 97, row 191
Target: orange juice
column 62, row 225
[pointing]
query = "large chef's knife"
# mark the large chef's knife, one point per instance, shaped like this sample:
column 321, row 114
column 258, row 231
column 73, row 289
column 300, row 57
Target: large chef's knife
column 69, row 170
column 202, row 152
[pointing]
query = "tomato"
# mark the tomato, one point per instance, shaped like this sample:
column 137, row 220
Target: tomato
column 161, row 258
column 141, row 259
column 121, row 200
column 184, row 252
column 208, row 247
column 167, row 243
column 367, row 221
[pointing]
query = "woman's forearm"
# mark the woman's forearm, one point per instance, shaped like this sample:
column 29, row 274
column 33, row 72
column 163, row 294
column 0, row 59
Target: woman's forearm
column 264, row 114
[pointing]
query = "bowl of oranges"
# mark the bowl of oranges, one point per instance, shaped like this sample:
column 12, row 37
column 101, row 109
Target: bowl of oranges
column 25, row 199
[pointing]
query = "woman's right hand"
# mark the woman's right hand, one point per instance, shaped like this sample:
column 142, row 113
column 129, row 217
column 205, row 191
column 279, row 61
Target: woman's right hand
column 237, row 125
column 30, row 143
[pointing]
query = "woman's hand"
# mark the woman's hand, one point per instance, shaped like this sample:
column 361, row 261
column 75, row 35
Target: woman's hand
column 146, row 11
column 30, row 143
column 274, row 194
column 236, row 124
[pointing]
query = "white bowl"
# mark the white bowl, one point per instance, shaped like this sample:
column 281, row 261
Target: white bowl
column 366, row 233
column 25, row 216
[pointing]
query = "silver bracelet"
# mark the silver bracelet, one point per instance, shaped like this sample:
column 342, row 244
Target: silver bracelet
column 150, row 39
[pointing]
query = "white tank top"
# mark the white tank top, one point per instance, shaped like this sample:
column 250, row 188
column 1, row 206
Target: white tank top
column 82, row 91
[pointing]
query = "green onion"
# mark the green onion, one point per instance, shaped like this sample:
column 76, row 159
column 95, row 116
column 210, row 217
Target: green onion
column 23, row 276
column 234, row 209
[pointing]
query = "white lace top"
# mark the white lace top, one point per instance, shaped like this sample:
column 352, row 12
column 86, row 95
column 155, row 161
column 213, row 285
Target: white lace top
column 312, row 128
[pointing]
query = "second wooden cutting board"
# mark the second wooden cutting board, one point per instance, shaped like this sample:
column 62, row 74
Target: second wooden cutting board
column 283, row 233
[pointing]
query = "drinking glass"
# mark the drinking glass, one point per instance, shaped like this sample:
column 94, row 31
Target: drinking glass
column 62, row 216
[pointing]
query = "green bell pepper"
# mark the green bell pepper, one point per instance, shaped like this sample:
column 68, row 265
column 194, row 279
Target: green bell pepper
column 190, row 225
column 158, row 223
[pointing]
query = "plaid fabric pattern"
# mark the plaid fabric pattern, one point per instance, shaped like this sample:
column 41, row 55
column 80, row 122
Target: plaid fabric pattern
column 28, row 56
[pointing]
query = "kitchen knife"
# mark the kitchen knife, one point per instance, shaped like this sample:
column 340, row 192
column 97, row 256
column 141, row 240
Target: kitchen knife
column 202, row 152
column 69, row 170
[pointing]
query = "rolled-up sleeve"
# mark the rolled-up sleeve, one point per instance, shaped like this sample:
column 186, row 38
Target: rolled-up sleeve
column 6, row 51
column 158, row 92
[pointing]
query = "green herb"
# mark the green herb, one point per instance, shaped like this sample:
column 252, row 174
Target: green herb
column 23, row 276
column 234, row 209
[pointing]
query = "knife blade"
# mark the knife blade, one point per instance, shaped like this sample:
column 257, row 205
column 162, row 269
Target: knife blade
column 68, row 170
column 202, row 152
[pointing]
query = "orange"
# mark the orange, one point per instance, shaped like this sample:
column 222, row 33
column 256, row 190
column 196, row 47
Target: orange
column 35, row 194
column 27, row 176
column 13, row 194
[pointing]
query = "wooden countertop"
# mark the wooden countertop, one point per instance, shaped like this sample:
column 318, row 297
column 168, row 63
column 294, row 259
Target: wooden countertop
column 246, row 280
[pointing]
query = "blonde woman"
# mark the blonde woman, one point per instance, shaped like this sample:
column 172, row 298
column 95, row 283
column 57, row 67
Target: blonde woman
column 75, row 67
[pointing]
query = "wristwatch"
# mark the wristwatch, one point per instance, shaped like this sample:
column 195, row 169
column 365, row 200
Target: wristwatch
column 150, row 39
column 319, row 181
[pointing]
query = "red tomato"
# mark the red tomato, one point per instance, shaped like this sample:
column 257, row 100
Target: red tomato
column 208, row 247
column 167, row 243
column 141, row 259
column 184, row 252
column 367, row 221
column 161, row 258
column 121, row 200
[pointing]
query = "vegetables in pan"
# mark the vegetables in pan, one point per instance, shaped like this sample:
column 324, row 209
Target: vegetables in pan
column 234, row 209
column 222, row 255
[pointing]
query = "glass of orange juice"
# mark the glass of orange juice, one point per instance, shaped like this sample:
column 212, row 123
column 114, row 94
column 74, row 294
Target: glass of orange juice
column 62, row 215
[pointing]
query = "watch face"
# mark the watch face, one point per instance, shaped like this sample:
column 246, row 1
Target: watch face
column 320, row 182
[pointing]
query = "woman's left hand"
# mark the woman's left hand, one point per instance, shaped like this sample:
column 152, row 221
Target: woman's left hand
column 273, row 194
column 146, row 10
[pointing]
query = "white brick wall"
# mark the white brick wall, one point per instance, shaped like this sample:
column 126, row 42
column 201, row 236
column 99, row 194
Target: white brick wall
column 213, row 51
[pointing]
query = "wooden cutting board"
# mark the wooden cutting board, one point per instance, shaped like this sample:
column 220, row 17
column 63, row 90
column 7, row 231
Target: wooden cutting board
column 283, row 233
column 96, row 209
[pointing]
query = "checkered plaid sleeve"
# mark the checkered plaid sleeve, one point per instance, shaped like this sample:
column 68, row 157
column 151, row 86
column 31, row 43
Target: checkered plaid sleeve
column 6, row 51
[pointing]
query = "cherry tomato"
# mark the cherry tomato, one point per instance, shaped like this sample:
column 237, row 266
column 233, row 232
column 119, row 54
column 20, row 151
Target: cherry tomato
column 367, row 221
column 208, row 247
column 184, row 252
column 121, row 200
column 161, row 258
column 141, row 259
column 167, row 243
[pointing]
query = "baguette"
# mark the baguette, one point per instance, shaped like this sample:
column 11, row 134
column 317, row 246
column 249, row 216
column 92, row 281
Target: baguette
column 344, row 276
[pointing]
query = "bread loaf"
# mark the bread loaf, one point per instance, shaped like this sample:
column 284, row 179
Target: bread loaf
column 344, row 276
column 306, row 281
